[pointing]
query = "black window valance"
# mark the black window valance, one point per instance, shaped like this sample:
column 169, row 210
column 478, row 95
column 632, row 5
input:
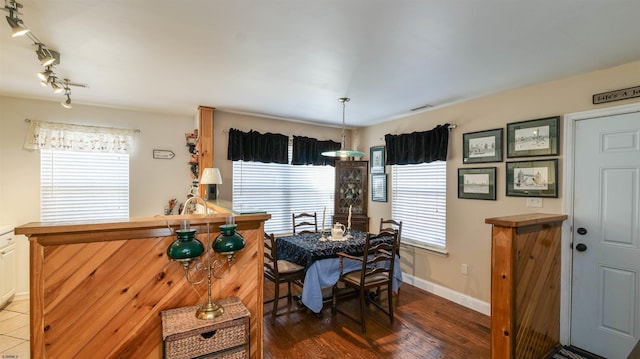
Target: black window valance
column 308, row 151
column 417, row 147
column 257, row 147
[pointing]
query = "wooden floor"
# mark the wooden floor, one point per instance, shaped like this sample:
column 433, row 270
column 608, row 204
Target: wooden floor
column 426, row 326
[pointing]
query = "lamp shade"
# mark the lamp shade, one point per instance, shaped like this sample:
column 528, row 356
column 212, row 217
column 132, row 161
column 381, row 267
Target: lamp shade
column 211, row 176
column 186, row 247
column 229, row 241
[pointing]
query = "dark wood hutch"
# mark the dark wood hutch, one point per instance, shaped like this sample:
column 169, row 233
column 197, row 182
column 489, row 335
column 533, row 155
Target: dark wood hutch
column 351, row 190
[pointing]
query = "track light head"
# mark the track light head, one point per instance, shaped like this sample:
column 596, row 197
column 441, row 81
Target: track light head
column 67, row 103
column 44, row 75
column 17, row 26
column 57, row 88
column 47, row 56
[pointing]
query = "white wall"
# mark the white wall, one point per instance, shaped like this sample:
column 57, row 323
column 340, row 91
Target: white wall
column 153, row 181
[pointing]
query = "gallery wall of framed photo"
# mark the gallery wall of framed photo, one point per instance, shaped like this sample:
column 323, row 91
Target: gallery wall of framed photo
column 536, row 177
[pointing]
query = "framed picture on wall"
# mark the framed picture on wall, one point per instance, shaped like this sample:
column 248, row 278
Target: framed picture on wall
column 532, row 178
column 482, row 146
column 477, row 183
column 534, row 138
column 379, row 187
column 376, row 156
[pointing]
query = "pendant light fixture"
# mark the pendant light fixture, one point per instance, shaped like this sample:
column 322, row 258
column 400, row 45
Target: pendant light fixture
column 343, row 153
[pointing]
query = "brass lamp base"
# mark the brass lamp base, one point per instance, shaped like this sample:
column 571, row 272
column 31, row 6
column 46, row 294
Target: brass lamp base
column 209, row 310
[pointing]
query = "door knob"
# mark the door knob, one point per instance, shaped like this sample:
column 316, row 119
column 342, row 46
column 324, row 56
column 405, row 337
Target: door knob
column 581, row 247
column 582, row 231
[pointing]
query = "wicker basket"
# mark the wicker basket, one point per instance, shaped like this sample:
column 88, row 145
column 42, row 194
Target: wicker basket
column 185, row 336
column 237, row 353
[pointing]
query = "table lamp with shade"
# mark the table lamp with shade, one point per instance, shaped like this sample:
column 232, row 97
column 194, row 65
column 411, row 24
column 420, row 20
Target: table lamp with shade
column 211, row 178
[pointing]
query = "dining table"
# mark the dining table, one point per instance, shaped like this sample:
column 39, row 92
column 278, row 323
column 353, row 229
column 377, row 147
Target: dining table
column 319, row 255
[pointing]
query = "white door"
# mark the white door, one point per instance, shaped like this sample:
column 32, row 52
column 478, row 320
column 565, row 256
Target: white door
column 605, row 308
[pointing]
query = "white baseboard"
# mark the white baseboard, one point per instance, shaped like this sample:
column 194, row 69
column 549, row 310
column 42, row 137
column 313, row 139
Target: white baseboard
column 21, row 296
column 449, row 294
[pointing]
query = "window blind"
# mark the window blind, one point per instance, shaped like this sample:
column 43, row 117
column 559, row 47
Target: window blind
column 419, row 201
column 83, row 185
column 282, row 190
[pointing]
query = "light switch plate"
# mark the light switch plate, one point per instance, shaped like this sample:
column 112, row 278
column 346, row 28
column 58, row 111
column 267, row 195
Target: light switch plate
column 534, row 202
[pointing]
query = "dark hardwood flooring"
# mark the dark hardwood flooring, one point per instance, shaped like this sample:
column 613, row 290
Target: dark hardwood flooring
column 426, row 326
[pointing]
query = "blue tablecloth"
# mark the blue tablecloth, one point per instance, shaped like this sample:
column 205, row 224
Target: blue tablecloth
column 322, row 263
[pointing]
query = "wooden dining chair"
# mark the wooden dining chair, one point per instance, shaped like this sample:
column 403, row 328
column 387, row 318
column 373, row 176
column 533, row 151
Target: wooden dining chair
column 279, row 271
column 305, row 220
column 391, row 225
column 378, row 261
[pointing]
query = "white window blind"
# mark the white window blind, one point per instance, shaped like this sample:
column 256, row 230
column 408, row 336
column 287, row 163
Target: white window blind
column 419, row 201
column 83, row 185
column 284, row 189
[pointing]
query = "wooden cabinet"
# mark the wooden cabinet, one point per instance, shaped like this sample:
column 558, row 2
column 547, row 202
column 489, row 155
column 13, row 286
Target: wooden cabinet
column 351, row 191
column 525, row 285
column 7, row 268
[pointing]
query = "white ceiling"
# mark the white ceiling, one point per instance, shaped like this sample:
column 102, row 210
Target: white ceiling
column 295, row 58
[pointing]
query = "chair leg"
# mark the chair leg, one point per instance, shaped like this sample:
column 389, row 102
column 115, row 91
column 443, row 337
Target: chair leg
column 362, row 313
column 275, row 303
column 334, row 309
column 289, row 292
column 390, row 296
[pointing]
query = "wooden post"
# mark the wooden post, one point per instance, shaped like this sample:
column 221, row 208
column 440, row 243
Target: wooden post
column 205, row 138
column 525, row 285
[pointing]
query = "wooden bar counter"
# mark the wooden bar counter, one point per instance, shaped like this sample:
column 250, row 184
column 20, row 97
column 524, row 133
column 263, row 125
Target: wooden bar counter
column 97, row 289
column 525, row 285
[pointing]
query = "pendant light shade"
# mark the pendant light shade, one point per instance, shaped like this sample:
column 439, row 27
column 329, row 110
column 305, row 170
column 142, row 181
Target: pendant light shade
column 342, row 152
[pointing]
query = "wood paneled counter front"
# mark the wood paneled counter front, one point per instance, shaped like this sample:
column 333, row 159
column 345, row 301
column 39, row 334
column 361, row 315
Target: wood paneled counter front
column 525, row 285
column 97, row 289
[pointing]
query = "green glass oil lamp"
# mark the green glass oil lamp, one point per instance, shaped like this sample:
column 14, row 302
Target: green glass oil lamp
column 228, row 242
column 186, row 248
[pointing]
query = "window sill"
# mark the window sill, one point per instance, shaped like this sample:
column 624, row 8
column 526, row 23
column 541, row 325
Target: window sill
column 442, row 252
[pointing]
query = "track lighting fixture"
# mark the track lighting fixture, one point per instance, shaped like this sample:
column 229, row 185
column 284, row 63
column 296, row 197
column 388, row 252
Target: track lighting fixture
column 17, row 26
column 45, row 74
column 67, row 103
column 48, row 58
column 57, row 88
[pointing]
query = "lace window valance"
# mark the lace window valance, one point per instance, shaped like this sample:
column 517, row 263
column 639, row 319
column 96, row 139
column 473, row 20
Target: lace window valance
column 68, row 137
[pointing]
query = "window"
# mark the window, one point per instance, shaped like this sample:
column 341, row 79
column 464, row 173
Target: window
column 83, row 185
column 419, row 201
column 284, row 189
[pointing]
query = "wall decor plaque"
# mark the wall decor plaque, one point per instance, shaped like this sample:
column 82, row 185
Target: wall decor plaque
column 616, row 95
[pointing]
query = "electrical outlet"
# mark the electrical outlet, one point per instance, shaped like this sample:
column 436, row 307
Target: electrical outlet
column 534, row 202
column 464, row 269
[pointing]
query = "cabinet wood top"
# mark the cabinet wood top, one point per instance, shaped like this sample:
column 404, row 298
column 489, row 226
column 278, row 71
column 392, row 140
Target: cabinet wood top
column 521, row 220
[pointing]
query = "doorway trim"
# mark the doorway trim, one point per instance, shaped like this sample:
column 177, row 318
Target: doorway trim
column 569, row 123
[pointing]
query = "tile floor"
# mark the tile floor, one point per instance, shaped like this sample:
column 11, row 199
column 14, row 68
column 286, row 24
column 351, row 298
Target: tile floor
column 14, row 330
